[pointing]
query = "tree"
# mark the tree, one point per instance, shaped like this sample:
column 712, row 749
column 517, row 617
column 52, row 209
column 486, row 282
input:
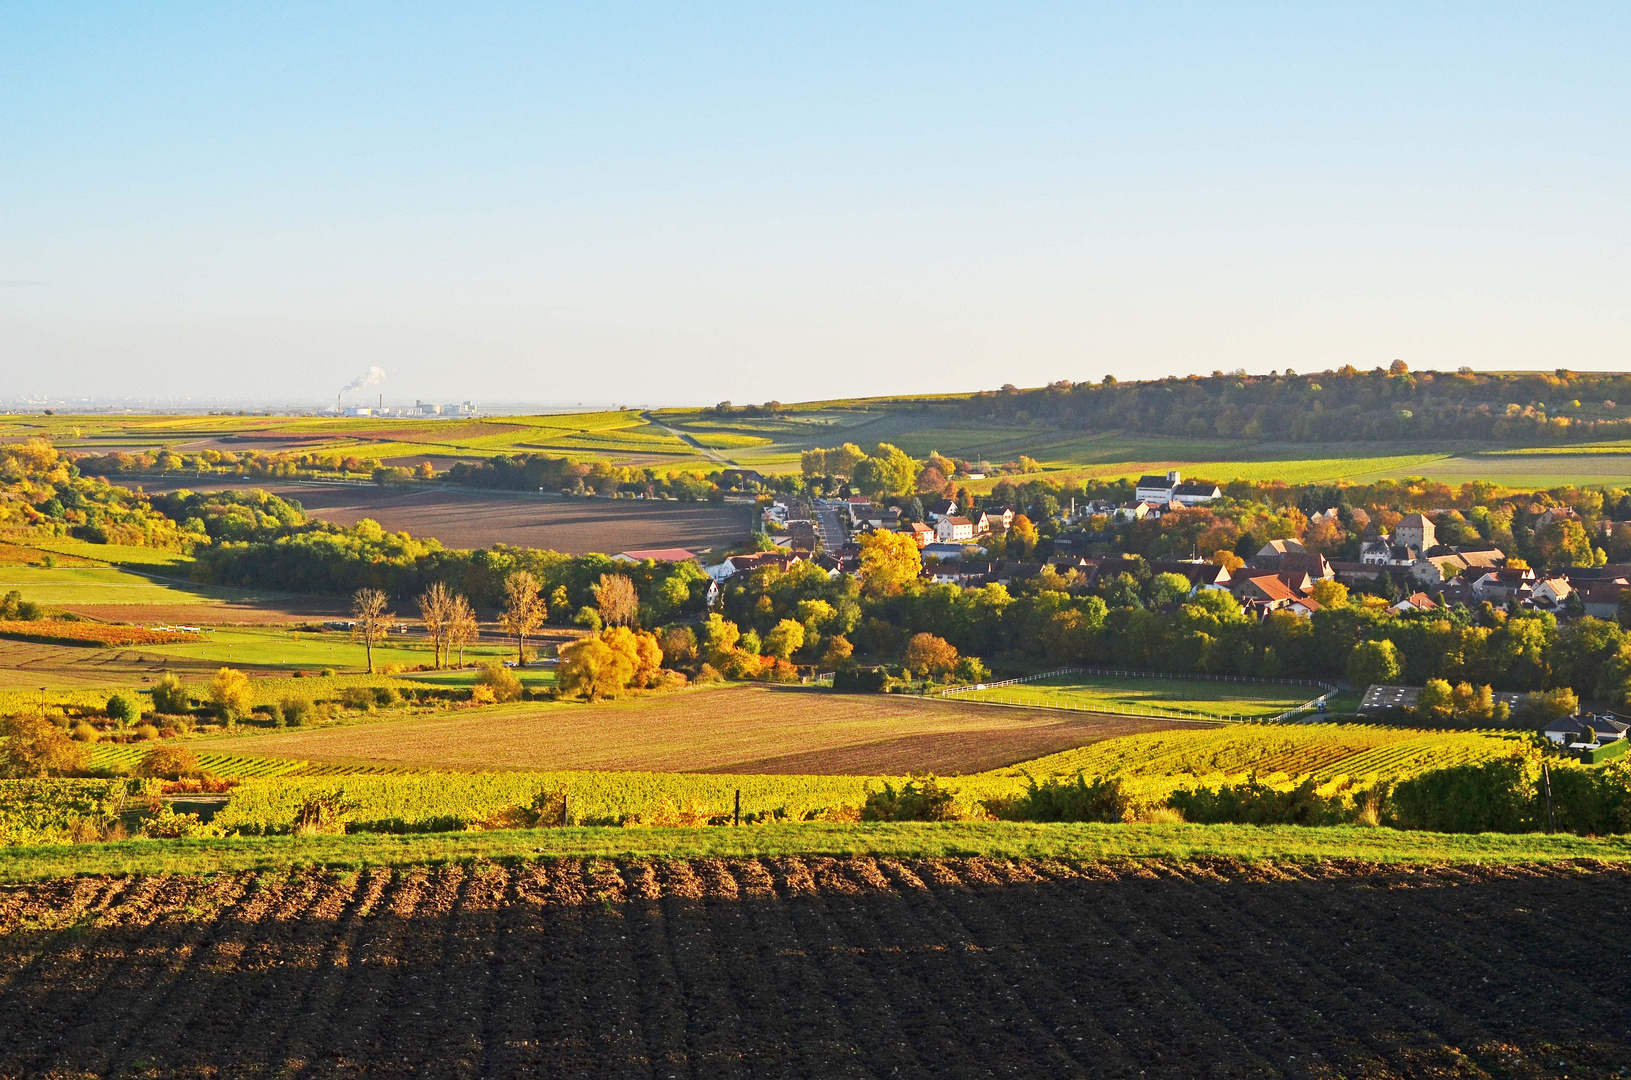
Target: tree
column 504, row 683
column 1022, row 537
column 889, row 561
column 523, row 611
column 229, row 694
column 679, row 644
column 927, row 654
column 839, row 651
column 1436, row 702
column 595, row 667
column 1544, row 706
column 168, row 761
column 719, row 638
column 616, row 600
column 123, row 711
column 1373, row 662
column 370, row 620
column 435, row 611
column 644, row 654
column 35, row 747
column 462, row 628
column 784, row 639
column 1228, row 560
column 1330, row 593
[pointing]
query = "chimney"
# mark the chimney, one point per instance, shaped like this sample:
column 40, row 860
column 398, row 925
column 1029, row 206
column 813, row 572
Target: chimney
column 1175, row 477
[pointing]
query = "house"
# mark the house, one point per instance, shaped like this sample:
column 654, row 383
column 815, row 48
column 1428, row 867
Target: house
column 753, row 560
column 1555, row 514
column 1550, row 591
column 1432, row 569
column 1157, row 489
column 1135, row 511
column 1499, row 586
column 1602, row 598
column 1571, row 730
column 1266, row 591
column 668, row 555
column 1269, row 555
column 1382, row 551
column 1414, row 602
column 982, row 524
column 921, row 533
column 1315, row 566
column 943, row 551
column 943, row 508
column 1195, row 492
column 1304, row 606
column 952, row 529
column 1002, row 518
column 1416, row 531
column 1201, row 575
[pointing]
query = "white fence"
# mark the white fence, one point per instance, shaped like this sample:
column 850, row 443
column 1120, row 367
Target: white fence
column 1193, row 716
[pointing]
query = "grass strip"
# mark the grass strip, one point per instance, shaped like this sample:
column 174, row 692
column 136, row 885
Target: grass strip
column 993, row 840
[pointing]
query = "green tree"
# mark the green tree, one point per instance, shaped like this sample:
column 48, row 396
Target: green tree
column 1374, row 662
column 889, row 562
column 784, row 639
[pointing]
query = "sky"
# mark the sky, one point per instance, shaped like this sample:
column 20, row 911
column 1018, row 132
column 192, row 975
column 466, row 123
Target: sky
column 681, row 204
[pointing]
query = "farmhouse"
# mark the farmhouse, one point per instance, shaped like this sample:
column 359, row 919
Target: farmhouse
column 1414, row 602
column 920, row 533
column 1157, row 489
column 1196, row 492
column 753, row 560
column 952, row 529
column 1499, row 586
column 1549, row 592
column 1201, row 575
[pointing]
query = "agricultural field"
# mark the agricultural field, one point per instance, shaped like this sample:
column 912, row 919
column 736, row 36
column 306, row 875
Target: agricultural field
column 739, row 729
column 1196, row 697
column 1336, row 756
column 474, row 519
column 813, row 966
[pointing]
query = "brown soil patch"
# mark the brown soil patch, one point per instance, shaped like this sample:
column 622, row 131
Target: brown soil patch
column 747, row 729
column 475, row 519
column 819, row 968
column 291, row 609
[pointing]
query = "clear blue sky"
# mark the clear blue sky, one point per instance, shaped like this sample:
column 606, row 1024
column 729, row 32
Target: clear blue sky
column 687, row 203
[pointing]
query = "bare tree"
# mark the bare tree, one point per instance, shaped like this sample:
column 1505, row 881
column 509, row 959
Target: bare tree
column 435, row 609
column 462, row 628
column 524, row 610
column 618, row 602
column 371, row 620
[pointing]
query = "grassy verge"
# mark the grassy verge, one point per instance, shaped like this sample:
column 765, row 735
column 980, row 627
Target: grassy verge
column 993, row 840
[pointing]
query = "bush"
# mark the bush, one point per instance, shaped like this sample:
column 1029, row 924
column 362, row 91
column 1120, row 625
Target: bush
column 357, row 697
column 35, row 747
column 919, row 799
column 387, row 696
column 170, row 696
column 83, row 732
column 482, row 694
column 1253, row 803
column 147, row 732
column 323, row 812
column 122, row 710
column 168, row 761
column 861, row 680
column 1492, row 796
column 294, row 710
column 1076, row 800
column 504, row 683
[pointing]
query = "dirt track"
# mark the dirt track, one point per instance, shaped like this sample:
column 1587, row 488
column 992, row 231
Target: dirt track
column 821, row 968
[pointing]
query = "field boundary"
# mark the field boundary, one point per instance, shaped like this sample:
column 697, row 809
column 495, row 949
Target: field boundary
column 1186, row 715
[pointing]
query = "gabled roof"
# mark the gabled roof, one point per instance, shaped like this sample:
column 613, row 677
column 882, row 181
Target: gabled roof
column 1154, row 480
column 1195, row 487
column 959, row 521
column 656, row 554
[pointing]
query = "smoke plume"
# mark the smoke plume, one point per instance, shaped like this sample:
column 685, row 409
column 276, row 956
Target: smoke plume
column 374, row 377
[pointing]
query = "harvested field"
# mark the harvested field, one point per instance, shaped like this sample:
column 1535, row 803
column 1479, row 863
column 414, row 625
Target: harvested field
column 819, row 967
column 270, row 613
column 745, row 729
column 475, row 519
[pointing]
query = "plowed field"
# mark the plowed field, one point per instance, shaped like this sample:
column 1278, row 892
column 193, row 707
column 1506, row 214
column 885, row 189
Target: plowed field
column 820, row 968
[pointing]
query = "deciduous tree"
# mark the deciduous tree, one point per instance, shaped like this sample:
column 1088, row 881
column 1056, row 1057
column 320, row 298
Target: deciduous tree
column 370, row 620
column 435, row 611
column 524, row 610
column 616, row 600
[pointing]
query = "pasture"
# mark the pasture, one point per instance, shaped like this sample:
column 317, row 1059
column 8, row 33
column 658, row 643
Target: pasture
column 1132, row 694
column 738, row 729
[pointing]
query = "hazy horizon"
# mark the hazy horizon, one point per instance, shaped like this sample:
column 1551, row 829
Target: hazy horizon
column 654, row 207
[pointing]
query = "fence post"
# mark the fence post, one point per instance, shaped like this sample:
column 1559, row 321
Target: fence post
column 736, row 815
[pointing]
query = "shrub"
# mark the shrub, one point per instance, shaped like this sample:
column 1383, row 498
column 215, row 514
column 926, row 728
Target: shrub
column 1075, row 800
column 35, row 747
column 146, row 732
column 83, row 732
column 1253, row 803
column 323, row 812
column 387, row 696
column 123, row 710
column 504, row 683
column 357, row 697
column 919, row 799
column 482, row 694
column 1492, row 796
column 170, row 696
column 861, row 680
column 166, row 824
column 168, row 761
column 294, row 710
column 707, row 673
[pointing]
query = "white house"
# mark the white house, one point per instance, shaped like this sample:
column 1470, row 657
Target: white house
column 1194, row 493
column 1570, row 731
column 1157, row 489
column 1551, row 591
column 953, row 529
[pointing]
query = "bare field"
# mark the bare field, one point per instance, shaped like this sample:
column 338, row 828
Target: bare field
column 461, row 519
column 744, row 729
column 818, row 967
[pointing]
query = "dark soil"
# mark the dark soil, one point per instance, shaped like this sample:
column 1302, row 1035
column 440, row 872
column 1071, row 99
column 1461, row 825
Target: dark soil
column 822, row 968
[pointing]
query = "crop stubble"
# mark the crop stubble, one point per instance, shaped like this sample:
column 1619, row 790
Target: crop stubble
column 818, row 967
